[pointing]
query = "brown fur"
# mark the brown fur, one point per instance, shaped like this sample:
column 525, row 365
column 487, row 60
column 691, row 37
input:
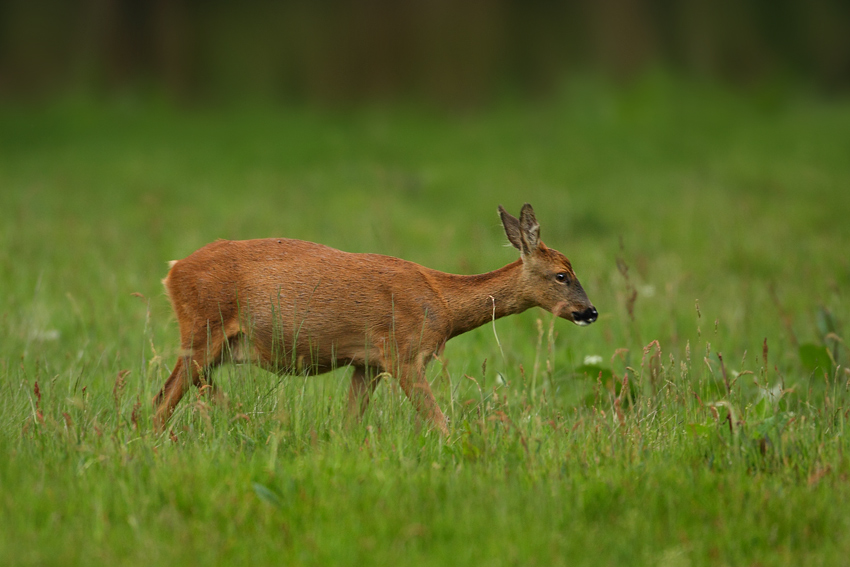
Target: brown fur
column 307, row 308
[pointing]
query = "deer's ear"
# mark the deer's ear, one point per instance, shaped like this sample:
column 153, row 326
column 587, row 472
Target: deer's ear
column 529, row 229
column 512, row 229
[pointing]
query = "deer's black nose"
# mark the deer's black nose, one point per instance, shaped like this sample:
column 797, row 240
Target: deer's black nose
column 585, row 317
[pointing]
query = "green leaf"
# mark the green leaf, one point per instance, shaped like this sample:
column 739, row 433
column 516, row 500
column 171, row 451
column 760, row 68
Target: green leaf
column 825, row 322
column 814, row 357
column 770, row 427
column 268, row 495
column 702, row 430
column 761, row 409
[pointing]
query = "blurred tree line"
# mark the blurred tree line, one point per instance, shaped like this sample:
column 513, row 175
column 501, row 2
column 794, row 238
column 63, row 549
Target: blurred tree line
column 452, row 51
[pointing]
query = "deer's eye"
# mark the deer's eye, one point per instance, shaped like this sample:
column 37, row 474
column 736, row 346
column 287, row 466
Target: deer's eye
column 561, row 277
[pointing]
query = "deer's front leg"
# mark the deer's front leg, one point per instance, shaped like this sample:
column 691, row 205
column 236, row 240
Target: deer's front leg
column 415, row 385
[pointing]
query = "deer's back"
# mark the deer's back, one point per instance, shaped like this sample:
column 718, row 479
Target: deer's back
column 307, row 292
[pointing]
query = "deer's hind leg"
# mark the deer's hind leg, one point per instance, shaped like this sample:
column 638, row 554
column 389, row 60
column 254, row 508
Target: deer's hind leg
column 202, row 354
column 363, row 383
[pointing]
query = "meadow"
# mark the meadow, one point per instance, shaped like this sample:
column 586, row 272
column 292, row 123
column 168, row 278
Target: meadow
column 702, row 420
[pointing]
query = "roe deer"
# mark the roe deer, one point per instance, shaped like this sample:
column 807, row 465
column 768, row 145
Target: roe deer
column 307, row 308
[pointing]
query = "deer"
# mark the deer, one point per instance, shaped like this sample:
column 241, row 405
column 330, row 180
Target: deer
column 297, row 307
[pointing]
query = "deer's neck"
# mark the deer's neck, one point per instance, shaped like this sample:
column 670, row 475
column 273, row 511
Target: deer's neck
column 475, row 300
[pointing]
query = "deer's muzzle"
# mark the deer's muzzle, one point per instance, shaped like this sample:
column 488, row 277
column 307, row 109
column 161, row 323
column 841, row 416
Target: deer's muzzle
column 585, row 317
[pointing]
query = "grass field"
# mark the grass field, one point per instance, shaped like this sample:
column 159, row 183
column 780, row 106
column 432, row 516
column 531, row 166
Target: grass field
column 710, row 229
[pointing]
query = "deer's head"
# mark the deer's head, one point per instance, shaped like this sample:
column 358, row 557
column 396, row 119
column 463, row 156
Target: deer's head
column 547, row 276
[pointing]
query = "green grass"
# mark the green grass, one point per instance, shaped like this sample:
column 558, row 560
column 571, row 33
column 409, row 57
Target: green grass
column 726, row 214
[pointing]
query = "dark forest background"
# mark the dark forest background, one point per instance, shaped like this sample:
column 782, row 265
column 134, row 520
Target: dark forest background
column 449, row 51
